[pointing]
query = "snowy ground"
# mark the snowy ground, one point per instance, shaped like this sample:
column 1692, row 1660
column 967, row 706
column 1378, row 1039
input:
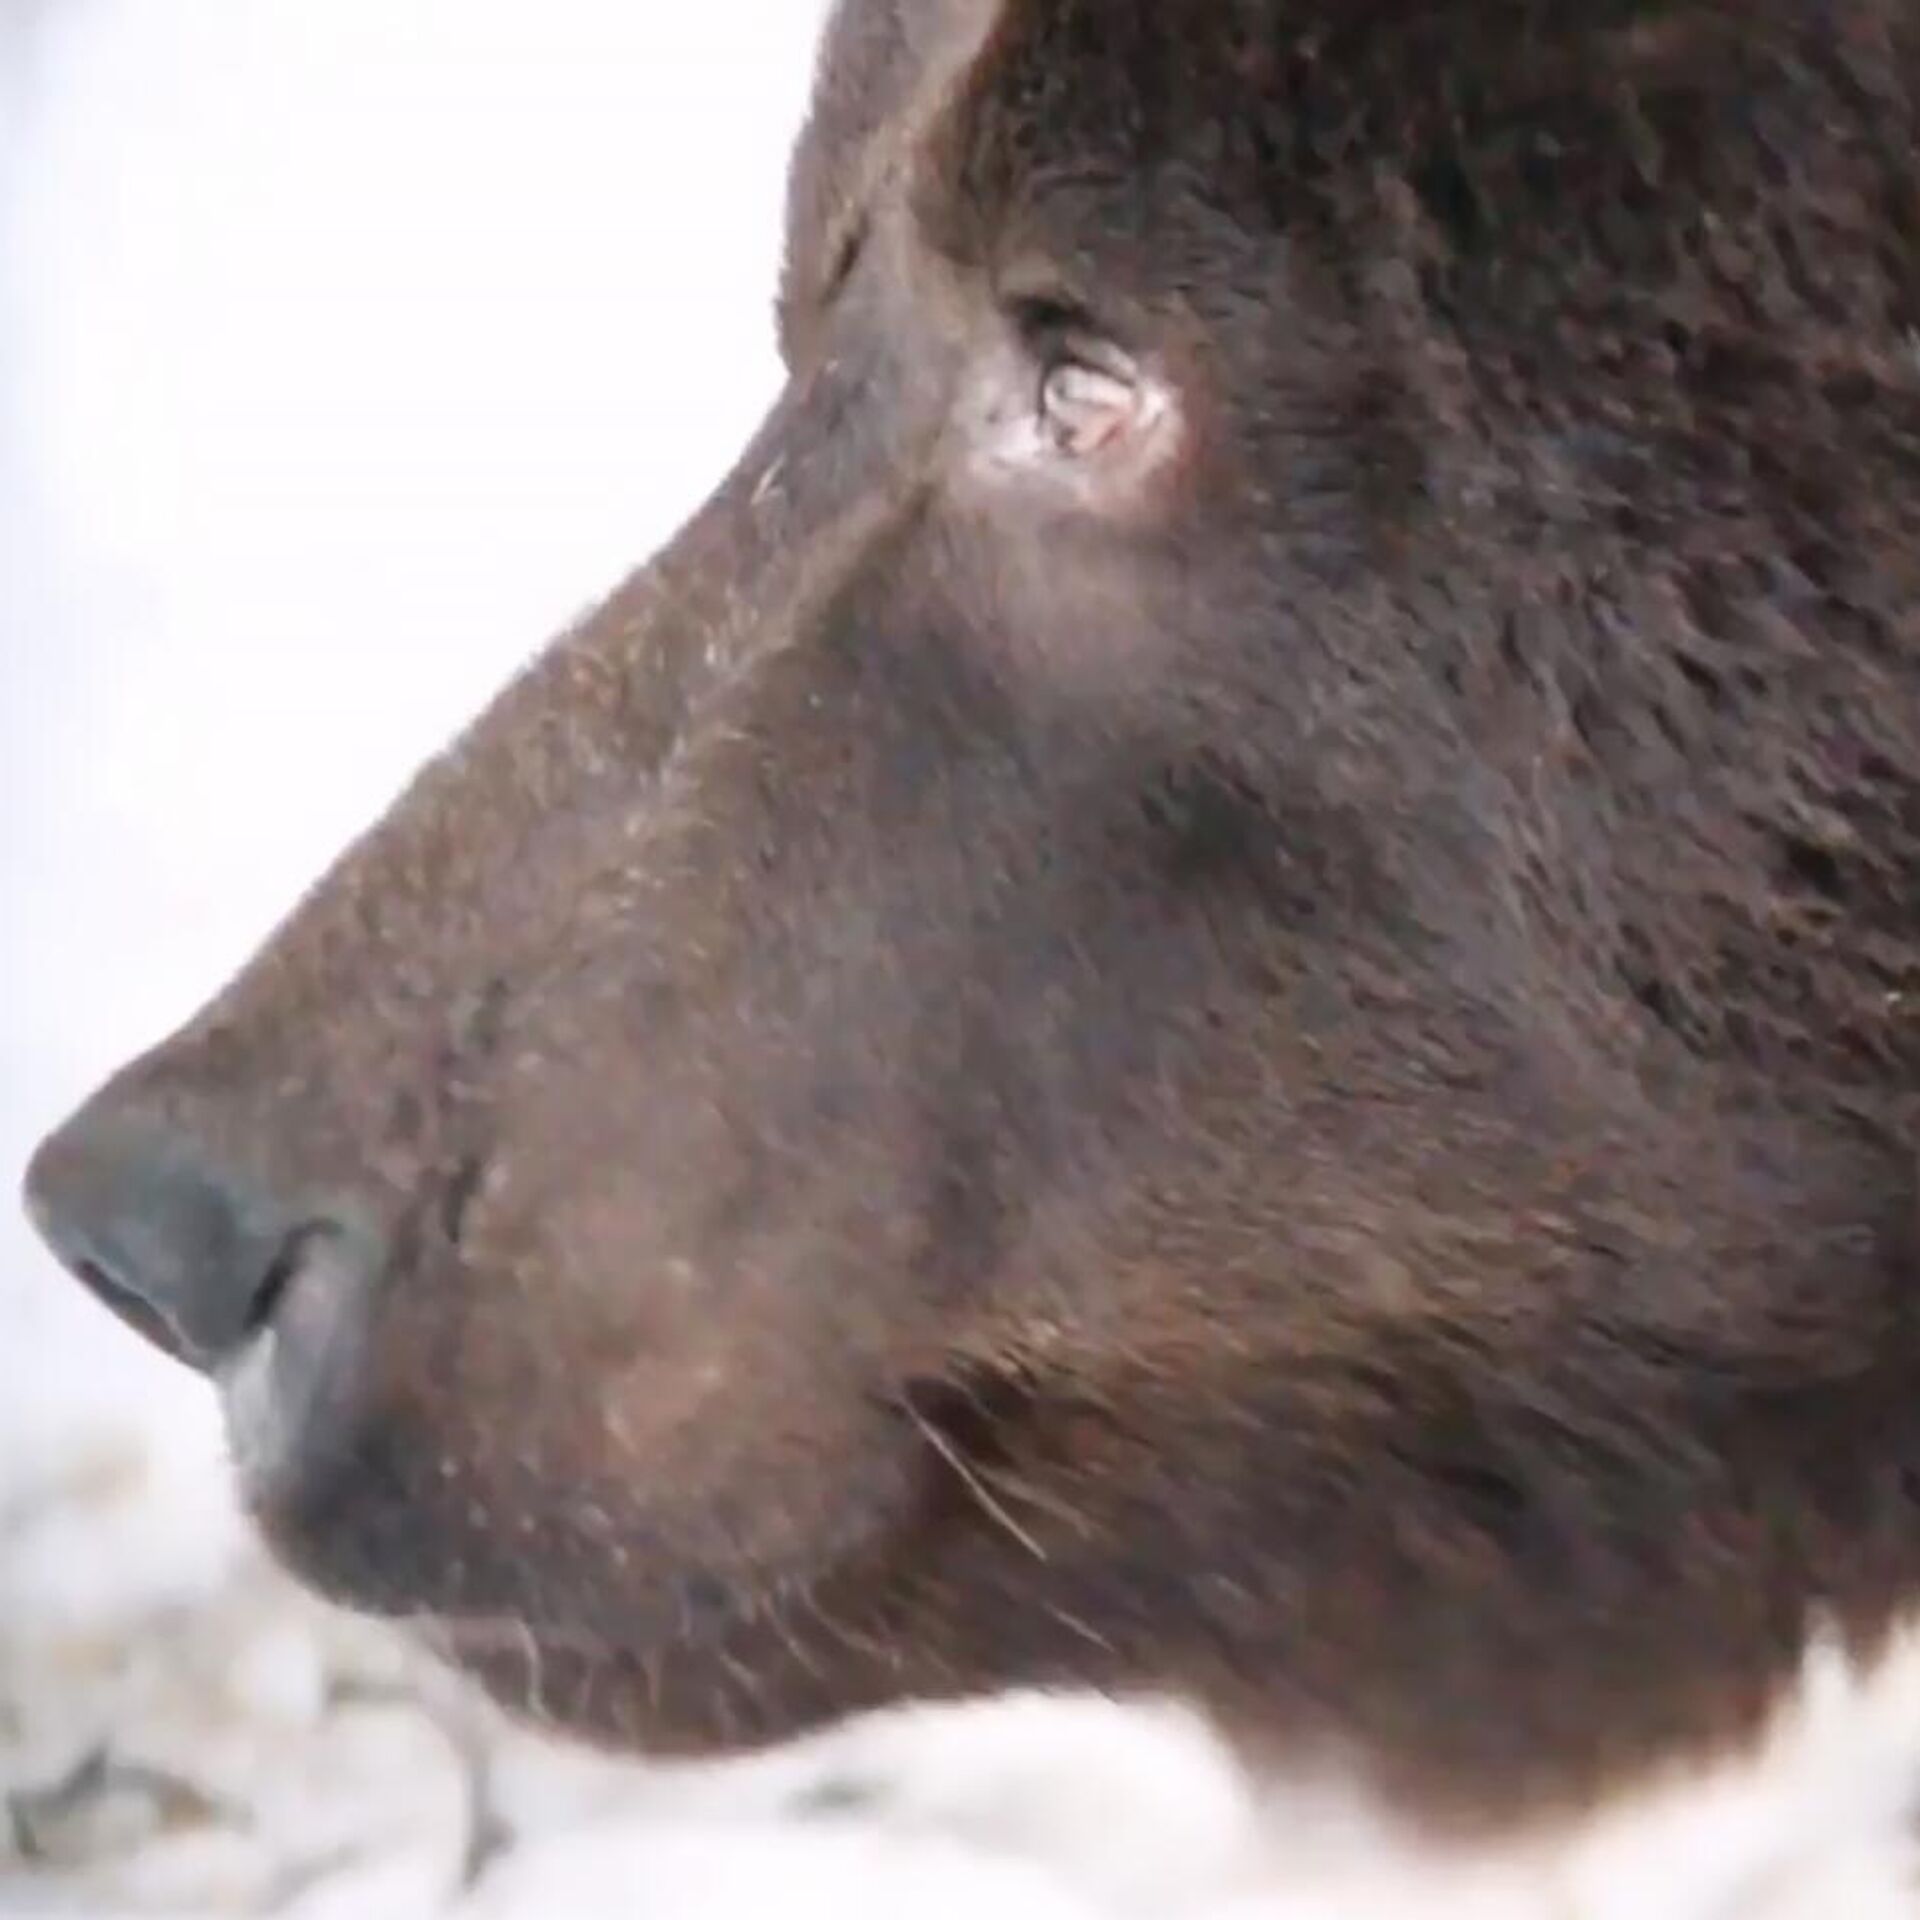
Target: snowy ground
column 346, row 348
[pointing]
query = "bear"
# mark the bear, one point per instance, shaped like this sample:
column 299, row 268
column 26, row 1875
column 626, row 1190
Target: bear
column 1214, row 993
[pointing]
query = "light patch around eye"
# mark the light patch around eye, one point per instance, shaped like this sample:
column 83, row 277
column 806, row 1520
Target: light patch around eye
column 1094, row 431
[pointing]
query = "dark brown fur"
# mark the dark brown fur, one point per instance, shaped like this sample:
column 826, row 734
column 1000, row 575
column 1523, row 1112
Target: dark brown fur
column 1302, row 1095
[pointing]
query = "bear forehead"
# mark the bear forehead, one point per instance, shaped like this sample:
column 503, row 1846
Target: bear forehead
column 1106, row 129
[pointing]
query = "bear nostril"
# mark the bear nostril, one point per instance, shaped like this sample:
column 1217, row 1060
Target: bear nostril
column 128, row 1306
column 280, row 1274
column 189, row 1253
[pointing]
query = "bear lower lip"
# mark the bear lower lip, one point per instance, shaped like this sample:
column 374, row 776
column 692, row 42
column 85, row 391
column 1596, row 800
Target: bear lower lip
column 566, row 1678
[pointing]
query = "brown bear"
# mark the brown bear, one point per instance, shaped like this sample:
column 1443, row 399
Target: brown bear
column 1214, row 993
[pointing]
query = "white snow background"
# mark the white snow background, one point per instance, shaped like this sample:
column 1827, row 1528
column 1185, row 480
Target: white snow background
column 347, row 348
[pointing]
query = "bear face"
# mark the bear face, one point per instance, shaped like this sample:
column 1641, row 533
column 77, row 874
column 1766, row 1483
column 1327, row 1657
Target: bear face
column 1209, row 992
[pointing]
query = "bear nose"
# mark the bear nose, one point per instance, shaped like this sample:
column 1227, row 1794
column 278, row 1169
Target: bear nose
column 186, row 1250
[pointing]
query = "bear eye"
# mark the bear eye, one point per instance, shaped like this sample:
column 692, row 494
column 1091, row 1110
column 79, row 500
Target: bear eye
column 1090, row 391
column 1085, row 408
column 1060, row 403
